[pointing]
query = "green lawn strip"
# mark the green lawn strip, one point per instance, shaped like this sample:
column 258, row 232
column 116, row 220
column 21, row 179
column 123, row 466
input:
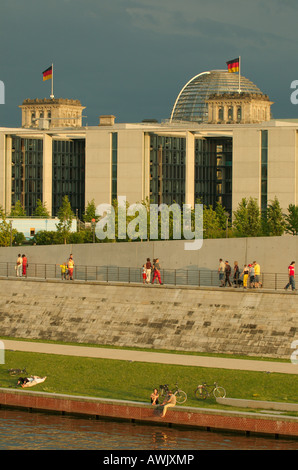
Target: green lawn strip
column 126, row 380
column 164, row 351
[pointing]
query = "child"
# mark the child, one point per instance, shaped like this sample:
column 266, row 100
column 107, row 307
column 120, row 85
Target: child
column 144, row 273
column 63, row 270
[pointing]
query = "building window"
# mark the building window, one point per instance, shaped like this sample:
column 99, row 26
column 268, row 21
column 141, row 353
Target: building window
column 68, row 175
column 114, row 165
column 167, row 169
column 220, row 113
column 213, row 171
column 239, row 113
column 27, row 164
column 230, row 113
column 264, row 170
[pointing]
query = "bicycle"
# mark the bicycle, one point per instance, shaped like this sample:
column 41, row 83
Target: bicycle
column 180, row 395
column 204, row 390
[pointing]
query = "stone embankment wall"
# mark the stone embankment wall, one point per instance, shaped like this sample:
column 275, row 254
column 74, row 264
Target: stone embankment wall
column 159, row 317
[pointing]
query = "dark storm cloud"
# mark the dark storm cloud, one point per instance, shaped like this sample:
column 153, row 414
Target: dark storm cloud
column 131, row 57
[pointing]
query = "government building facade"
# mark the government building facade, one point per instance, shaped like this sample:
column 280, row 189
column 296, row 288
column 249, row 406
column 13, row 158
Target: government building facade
column 219, row 144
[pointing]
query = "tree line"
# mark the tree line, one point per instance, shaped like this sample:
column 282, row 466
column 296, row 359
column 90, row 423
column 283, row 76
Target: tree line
column 247, row 221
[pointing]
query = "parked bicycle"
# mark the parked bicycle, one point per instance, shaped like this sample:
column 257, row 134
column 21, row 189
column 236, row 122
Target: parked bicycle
column 180, row 395
column 17, row 371
column 204, row 391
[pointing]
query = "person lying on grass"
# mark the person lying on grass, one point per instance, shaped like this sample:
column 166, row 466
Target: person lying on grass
column 30, row 381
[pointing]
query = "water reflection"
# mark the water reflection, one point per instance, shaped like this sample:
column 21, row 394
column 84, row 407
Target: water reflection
column 39, row 431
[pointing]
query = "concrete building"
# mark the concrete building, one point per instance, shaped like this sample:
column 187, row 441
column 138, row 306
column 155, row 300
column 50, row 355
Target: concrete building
column 217, row 145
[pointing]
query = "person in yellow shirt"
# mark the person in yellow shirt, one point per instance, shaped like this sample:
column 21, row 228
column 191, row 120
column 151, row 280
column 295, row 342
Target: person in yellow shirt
column 257, row 274
column 63, row 270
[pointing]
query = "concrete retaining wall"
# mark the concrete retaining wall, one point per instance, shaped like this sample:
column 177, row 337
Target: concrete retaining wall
column 273, row 253
column 159, row 317
column 133, row 411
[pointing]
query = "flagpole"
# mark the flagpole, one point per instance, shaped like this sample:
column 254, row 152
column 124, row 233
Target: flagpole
column 239, row 73
column 52, row 90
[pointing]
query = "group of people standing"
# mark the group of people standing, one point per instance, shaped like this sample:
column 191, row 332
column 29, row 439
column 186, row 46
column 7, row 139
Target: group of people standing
column 21, row 266
column 249, row 277
column 148, row 269
column 67, row 269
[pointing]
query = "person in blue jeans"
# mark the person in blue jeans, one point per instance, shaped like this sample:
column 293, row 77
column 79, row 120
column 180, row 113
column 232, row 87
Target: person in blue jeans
column 291, row 272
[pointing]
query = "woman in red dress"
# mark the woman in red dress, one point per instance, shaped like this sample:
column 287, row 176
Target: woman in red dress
column 25, row 263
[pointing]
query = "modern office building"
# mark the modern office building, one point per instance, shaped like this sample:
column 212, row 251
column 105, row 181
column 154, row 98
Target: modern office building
column 219, row 143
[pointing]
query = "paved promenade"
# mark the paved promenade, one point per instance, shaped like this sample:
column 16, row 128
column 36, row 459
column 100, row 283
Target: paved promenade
column 143, row 356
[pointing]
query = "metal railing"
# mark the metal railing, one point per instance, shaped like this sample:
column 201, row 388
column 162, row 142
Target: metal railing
column 176, row 277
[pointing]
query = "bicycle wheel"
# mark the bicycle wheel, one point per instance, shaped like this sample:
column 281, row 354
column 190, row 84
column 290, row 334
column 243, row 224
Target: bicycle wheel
column 181, row 397
column 219, row 392
column 201, row 393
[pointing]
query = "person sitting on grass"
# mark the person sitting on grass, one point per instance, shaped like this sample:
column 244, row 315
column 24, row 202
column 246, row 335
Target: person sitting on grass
column 30, row 381
column 154, row 397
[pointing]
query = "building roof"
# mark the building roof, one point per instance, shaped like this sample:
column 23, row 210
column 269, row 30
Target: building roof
column 191, row 104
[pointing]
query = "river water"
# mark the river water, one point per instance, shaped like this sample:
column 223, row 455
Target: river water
column 21, row 430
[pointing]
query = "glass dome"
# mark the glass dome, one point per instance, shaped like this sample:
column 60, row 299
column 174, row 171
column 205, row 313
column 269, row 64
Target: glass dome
column 191, row 103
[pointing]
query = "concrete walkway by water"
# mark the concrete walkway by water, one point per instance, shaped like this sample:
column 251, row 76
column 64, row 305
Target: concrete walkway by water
column 143, row 356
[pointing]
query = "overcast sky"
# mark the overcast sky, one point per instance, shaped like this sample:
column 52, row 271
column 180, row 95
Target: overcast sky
column 131, row 58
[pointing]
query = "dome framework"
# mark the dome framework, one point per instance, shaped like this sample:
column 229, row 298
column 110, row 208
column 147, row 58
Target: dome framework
column 191, row 103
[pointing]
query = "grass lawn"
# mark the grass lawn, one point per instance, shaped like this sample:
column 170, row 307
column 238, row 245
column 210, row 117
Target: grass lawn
column 127, row 380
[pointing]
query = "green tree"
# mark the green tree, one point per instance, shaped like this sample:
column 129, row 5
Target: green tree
column 211, row 223
column 89, row 213
column 7, row 233
column 65, row 215
column 222, row 215
column 274, row 220
column 247, row 219
column 291, row 220
column 41, row 210
column 17, row 210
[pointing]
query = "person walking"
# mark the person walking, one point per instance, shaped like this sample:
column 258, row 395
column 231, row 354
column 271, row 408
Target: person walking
column 144, row 274
column 70, row 267
column 251, row 276
column 245, row 273
column 227, row 274
column 291, row 272
column 148, row 270
column 236, row 274
column 221, row 272
column 156, row 271
column 19, row 265
column 257, row 274
column 24, row 265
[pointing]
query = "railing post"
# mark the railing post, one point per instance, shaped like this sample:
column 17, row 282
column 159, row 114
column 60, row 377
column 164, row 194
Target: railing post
column 275, row 281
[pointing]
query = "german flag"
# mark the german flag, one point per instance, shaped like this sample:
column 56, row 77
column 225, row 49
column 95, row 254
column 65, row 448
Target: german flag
column 233, row 65
column 47, row 74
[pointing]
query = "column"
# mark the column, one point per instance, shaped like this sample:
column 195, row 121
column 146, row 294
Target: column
column 190, row 170
column 47, row 172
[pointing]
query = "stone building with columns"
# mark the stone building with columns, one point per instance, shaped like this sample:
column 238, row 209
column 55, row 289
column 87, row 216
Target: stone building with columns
column 199, row 153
